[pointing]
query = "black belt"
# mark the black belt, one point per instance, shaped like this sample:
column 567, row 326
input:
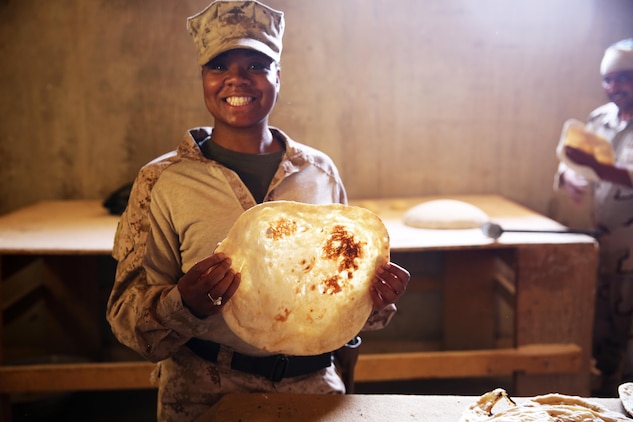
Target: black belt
column 275, row 367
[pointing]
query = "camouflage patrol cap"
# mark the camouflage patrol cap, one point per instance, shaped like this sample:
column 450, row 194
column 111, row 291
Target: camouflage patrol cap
column 225, row 25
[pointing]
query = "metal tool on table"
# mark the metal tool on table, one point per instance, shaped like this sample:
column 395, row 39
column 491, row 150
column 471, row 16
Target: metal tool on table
column 494, row 231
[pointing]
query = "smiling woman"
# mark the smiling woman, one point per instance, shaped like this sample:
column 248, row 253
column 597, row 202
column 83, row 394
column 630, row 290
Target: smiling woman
column 414, row 98
column 171, row 286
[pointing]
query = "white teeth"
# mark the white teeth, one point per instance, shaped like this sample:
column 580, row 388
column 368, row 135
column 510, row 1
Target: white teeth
column 238, row 101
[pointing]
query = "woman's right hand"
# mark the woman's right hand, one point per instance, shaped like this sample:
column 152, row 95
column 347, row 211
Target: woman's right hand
column 208, row 285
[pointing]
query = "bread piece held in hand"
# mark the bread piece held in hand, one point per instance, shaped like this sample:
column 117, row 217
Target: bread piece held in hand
column 575, row 135
column 306, row 274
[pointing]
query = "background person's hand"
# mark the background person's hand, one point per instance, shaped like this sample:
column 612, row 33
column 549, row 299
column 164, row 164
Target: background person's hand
column 606, row 172
column 389, row 283
column 574, row 185
column 211, row 279
column 581, row 157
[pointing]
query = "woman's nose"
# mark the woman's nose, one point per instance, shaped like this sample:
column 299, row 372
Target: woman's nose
column 237, row 75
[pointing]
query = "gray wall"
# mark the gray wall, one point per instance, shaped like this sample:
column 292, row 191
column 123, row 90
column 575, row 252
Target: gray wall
column 409, row 98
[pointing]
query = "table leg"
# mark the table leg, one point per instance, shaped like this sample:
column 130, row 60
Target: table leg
column 555, row 304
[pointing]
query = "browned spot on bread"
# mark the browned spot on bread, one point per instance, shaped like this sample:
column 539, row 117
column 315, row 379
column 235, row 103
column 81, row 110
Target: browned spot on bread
column 314, row 315
column 333, row 285
column 307, row 265
column 284, row 317
column 342, row 245
column 281, row 228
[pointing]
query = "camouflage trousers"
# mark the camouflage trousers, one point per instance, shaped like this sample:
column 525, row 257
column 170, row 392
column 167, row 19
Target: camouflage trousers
column 189, row 385
column 612, row 341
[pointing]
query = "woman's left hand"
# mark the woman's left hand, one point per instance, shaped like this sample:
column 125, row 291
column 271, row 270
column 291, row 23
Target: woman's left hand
column 389, row 283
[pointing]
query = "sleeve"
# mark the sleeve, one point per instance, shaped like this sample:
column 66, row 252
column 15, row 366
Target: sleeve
column 144, row 310
column 558, row 177
column 379, row 319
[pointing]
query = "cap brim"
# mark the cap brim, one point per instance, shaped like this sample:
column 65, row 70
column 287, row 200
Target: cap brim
column 247, row 43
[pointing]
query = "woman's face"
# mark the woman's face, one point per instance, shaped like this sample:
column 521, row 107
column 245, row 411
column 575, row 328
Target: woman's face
column 240, row 87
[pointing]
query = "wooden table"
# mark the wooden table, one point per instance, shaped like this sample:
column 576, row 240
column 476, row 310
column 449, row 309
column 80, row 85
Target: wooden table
column 333, row 408
column 67, row 237
column 551, row 284
column 547, row 279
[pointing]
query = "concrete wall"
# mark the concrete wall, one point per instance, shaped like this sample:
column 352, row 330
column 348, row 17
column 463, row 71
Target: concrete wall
column 409, row 98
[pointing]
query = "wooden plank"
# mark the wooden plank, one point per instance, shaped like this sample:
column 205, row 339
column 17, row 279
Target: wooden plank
column 76, row 377
column 532, row 359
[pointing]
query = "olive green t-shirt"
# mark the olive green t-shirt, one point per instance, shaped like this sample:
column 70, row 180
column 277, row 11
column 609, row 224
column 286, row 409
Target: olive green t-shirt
column 255, row 170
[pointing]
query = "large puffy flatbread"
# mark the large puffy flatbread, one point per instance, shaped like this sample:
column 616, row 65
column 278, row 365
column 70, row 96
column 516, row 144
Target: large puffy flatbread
column 546, row 408
column 575, row 135
column 449, row 214
column 306, row 274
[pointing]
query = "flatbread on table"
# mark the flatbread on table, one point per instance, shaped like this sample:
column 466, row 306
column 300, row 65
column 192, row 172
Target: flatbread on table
column 625, row 391
column 448, row 214
column 546, row 408
column 576, row 135
column 306, row 273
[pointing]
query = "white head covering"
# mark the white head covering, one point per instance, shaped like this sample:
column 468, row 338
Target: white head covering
column 618, row 57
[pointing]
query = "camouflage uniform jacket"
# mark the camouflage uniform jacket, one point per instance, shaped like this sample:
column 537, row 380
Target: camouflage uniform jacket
column 181, row 205
column 613, row 204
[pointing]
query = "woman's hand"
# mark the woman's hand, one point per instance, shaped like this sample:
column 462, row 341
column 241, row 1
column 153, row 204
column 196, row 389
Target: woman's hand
column 208, row 285
column 389, row 283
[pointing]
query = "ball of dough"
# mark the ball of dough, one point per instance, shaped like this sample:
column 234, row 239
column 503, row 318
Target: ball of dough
column 448, row 214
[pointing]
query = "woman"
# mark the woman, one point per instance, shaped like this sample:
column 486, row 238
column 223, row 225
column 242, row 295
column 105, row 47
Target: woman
column 170, row 287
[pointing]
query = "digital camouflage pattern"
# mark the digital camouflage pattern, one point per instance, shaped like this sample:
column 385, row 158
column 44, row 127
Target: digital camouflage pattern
column 613, row 215
column 226, row 25
column 145, row 309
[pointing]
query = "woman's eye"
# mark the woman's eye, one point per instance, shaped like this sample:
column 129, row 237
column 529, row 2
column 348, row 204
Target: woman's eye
column 258, row 66
column 215, row 66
